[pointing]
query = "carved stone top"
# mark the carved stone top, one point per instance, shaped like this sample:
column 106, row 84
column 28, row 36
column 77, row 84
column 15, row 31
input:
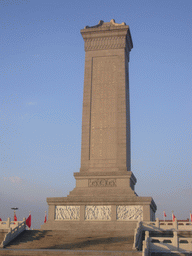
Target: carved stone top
column 106, row 24
column 107, row 35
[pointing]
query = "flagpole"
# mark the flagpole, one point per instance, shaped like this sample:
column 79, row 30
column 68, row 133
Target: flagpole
column 14, row 217
column 173, row 216
column 45, row 220
column 29, row 215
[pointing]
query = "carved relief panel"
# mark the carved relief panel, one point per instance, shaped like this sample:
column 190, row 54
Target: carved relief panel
column 129, row 212
column 95, row 212
column 67, row 212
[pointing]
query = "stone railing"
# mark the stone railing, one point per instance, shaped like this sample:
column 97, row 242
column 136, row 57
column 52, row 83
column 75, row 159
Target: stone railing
column 146, row 244
column 185, row 244
column 160, row 226
column 179, row 225
column 14, row 228
column 168, row 225
column 138, row 236
column 9, row 224
column 166, row 244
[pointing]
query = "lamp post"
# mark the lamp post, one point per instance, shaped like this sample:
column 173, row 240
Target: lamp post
column 14, row 208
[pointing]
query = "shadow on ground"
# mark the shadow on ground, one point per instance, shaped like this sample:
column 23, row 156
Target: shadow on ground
column 89, row 242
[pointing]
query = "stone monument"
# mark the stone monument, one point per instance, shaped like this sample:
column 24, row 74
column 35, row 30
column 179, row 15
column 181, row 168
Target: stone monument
column 104, row 196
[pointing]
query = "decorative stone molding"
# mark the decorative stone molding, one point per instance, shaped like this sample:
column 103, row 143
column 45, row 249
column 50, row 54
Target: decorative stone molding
column 68, row 212
column 93, row 212
column 129, row 213
column 102, row 183
column 107, row 35
column 106, row 24
column 102, row 43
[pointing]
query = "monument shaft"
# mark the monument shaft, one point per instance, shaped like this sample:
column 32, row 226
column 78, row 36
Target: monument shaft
column 106, row 115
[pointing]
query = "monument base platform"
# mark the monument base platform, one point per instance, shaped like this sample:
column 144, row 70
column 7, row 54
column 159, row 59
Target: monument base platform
column 96, row 209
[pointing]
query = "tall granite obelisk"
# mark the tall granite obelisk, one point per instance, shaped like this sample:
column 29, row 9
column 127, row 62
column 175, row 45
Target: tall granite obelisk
column 104, row 196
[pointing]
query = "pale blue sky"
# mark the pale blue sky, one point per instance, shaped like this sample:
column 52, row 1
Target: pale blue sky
column 41, row 94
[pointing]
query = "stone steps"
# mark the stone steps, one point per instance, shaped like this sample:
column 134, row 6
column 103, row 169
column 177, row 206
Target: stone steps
column 170, row 254
column 16, row 252
column 2, row 236
column 69, row 244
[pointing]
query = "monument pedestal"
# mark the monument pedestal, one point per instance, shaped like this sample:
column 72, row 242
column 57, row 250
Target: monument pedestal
column 98, row 203
column 104, row 197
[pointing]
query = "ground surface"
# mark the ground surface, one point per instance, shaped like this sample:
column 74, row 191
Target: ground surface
column 41, row 242
column 41, row 239
column 170, row 254
column 50, row 242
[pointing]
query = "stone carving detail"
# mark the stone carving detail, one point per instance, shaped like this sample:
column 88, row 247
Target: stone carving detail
column 101, row 43
column 93, row 212
column 67, row 212
column 106, row 24
column 129, row 212
column 102, row 183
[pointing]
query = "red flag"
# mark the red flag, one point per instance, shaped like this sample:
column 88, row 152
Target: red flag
column 173, row 217
column 15, row 217
column 0, row 219
column 28, row 221
column 45, row 220
column 190, row 217
column 165, row 214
